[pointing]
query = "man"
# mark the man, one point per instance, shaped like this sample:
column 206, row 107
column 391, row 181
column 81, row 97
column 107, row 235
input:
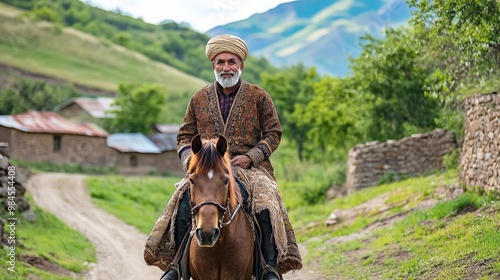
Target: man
column 245, row 114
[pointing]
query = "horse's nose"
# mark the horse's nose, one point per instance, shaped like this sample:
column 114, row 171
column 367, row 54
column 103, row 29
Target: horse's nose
column 207, row 238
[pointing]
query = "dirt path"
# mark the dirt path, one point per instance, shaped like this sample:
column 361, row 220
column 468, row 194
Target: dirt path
column 119, row 246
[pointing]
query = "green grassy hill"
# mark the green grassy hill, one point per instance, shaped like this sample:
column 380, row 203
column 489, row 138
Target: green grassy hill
column 81, row 59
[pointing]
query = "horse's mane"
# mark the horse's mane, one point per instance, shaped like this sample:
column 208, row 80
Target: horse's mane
column 208, row 158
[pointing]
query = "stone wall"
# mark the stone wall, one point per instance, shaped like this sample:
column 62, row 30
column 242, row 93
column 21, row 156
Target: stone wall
column 38, row 147
column 480, row 159
column 12, row 200
column 417, row 154
column 146, row 164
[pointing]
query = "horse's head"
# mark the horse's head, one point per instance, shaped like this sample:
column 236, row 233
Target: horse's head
column 212, row 191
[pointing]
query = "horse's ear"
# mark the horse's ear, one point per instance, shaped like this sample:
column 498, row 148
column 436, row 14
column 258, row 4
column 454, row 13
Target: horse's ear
column 222, row 145
column 196, row 144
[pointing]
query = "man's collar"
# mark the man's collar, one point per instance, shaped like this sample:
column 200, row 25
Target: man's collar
column 220, row 89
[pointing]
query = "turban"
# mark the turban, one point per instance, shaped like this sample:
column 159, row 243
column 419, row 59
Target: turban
column 226, row 43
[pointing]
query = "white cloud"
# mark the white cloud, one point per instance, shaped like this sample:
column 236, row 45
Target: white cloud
column 201, row 15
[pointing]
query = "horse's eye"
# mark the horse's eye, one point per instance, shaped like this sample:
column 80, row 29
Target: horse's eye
column 226, row 182
column 191, row 181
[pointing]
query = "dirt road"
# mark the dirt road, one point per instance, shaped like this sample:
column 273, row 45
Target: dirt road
column 119, row 246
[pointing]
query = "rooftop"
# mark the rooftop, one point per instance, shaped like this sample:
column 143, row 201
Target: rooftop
column 132, row 142
column 50, row 122
column 96, row 107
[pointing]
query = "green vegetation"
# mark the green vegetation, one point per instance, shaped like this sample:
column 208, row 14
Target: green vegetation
column 138, row 201
column 46, row 166
column 291, row 91
column 42, row 239
column 137, row 108
column 411, row 81
column 82, row 60
column 456, row 239
column 168, row 42
column 408, row 192
column 27, row 95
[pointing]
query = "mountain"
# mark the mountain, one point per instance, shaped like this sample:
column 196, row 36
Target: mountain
column 320, row 33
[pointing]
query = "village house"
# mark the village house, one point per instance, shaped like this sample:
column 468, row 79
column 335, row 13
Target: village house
column 171, row 129
column 136, row 154
column 85, row 109
column 47, row 136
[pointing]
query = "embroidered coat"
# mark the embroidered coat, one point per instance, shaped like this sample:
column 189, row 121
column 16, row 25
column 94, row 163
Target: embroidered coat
column 252, row 122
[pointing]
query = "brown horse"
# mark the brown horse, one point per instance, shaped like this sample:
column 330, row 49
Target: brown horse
column 224, row 240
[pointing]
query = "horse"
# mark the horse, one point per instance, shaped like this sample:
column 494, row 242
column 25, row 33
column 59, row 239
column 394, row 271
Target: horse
column 224, row 236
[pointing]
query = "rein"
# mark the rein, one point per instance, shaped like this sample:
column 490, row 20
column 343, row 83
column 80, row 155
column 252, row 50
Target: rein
column 225, row 210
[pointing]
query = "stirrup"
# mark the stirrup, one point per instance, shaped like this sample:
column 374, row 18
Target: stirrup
column 270, row 269
column 174, row 267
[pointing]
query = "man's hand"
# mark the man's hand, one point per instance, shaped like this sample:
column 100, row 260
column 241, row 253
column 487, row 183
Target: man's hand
column 242, row 161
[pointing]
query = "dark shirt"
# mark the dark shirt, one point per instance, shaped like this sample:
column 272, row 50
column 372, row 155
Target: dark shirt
column 226, row 101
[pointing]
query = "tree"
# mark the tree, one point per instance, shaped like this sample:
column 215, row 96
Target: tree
column 460, row 41
column 27, row 95
column 337, row 116
column 136, row 108
column 389, row 73
column 291, row 91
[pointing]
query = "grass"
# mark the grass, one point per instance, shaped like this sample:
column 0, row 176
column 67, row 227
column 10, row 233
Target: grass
column 138, row 201
column 309, row 220
column 76, row 57
column 49, row 238
column 456, row 239
column 46, row 166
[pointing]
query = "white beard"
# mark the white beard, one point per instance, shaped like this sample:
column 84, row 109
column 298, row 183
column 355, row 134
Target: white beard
column 227, row 82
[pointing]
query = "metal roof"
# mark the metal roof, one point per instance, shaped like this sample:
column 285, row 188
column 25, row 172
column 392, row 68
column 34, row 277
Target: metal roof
column 166, row 142
column 132, row 142
column 96, row 107
column 167, row 128
column 50, row 122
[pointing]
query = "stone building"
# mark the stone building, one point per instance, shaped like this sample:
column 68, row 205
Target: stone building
column 47, row 136
column 480, row 158
column 85, row 109
column 136, row 154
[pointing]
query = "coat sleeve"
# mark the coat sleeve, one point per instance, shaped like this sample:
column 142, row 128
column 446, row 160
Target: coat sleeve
column 187, row 131
column 271, row 131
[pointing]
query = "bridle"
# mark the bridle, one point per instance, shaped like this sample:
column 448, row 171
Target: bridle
column 225, row 210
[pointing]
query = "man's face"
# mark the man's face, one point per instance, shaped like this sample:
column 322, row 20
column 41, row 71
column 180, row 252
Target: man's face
column 227, row 69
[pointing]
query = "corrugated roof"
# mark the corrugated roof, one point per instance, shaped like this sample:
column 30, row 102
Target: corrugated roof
column 166, row 142
column 50, row 122
column 167, row 128
column 132, row 142
column 96, row 107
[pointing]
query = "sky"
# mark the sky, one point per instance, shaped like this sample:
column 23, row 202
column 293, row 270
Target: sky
column 202, row 15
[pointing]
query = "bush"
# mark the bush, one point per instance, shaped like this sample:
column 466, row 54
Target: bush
column 451, row 161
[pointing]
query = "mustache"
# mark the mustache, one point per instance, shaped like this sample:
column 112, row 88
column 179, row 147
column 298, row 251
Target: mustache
column 226, row 72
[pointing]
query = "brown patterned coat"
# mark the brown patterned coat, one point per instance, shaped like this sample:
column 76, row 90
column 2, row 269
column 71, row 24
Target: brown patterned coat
column 252, row 121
